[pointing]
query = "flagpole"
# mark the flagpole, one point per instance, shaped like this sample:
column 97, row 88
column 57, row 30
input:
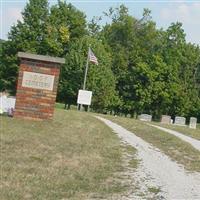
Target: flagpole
column 86, row 71
column 85, row 76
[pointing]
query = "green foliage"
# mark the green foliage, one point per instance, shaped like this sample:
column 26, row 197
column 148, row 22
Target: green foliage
column 141, row 68
column 65, row 25
column 8, row 67
column 28, row 36
column 100, row 78
column 157, row 71
column 41, row 32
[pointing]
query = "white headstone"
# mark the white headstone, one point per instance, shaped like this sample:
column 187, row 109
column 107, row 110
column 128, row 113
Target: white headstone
column 145, row 117
column 166, row 119
column 7, row 103
column 84, row 97
column 3, row 103
column 180, row 121
column 193, row 123
column 11, row 102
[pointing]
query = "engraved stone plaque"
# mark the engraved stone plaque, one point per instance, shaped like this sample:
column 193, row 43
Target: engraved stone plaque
column 37, row 81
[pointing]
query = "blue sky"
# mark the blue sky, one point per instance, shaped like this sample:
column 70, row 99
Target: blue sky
column 163, row 13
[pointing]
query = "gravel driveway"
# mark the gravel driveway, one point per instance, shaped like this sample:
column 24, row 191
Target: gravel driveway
column 195, row 143
column 158, row 170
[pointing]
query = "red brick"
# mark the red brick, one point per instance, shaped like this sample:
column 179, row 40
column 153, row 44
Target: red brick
column 32, row 103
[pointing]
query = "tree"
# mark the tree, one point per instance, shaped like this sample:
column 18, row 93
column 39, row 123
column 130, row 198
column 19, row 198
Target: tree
column 8, row 67
column 131, row 53
column 142, row 68
column 41, row 32
column 30, row 34
column 100, row 78
column 156, row 70
column 65, row 25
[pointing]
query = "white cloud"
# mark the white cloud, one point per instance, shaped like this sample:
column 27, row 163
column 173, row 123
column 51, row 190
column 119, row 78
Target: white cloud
column 10, row 15
column 15, row 14
column 165, row 13
column 188, row 14
column 185, row 13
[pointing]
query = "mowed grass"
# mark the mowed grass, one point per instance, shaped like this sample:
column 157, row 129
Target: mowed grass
column 195, row 133
column 75, row 156
column 179, row 151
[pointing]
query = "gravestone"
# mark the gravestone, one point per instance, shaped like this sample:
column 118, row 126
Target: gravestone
column 7, row 104
column 3, row 103
column 11, row 102
column 145, row 117
column 180, row 121
column 11, row 105
column 37, row 86
column 193, row 123
column 166, row 119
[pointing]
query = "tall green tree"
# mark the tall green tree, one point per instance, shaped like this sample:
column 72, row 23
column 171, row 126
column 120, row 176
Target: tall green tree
column 66, row 24
column 142, row 68
column 42, row 31
column 152, row 68
column 27, row 35
column 30, row 33
column 100, row 78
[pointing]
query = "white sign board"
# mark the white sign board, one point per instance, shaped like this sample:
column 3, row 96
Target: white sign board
column 84, row 97
column 38, row 81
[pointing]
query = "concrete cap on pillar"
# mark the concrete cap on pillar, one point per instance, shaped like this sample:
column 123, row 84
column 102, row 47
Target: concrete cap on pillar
column 41, row 57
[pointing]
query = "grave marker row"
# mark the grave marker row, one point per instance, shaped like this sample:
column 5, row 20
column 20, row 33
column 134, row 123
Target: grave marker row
column 166, row 119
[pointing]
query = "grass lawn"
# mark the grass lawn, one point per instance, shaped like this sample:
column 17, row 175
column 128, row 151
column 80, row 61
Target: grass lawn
column 75, row 156
column 195, row 133
column 62, row 106
column 172, row 146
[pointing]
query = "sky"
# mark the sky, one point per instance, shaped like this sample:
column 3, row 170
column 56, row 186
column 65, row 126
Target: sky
column 163, row 12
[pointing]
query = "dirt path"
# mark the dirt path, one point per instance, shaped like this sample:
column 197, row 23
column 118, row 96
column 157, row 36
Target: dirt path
column 195, row 143
column 158, row 170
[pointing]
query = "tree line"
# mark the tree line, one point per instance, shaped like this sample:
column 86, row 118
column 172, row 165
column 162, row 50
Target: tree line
column 142, row 69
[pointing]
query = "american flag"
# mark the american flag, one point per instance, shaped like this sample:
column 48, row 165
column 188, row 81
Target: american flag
column 92, row 57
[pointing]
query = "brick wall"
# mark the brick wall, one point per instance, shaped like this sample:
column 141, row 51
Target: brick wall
column 36, row 104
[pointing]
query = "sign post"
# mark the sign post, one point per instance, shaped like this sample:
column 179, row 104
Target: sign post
column 84, row 97
column 84, row 94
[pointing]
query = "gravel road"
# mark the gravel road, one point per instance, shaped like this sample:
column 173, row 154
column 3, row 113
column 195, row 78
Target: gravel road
column 157, row 170
column 195, row 143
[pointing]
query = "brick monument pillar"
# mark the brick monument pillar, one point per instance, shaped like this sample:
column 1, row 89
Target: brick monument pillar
column 37, row 86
